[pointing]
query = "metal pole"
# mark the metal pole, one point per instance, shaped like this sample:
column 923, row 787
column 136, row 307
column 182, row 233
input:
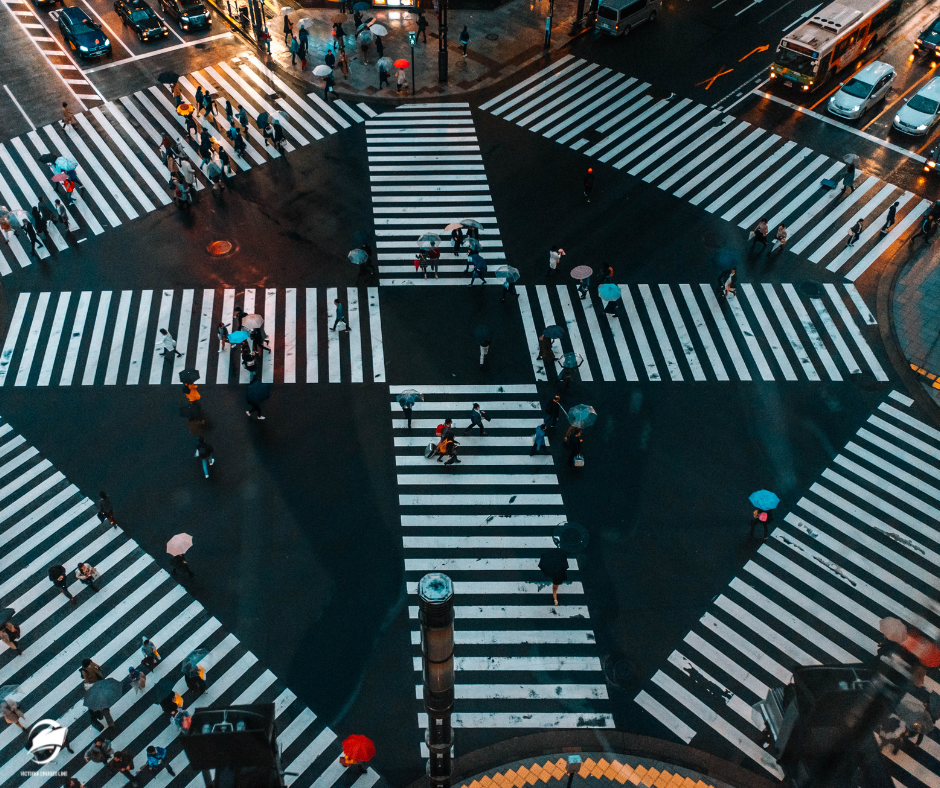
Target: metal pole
column 442, row 50
column 548, row 23
column 436, row 617
column 412, row 69
column 578, row 19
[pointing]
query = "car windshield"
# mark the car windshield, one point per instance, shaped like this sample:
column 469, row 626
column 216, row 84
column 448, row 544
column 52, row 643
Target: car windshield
column 857, row 88
column 82, row 27
column 607, row 13
column 935, row 27
column 140, row 16
column 795, row 61
column 923, row 104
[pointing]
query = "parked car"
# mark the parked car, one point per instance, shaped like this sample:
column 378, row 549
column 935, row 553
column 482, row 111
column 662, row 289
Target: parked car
column 189, row 14
column 864, row 90
column 141, row 18
column 921, row 110
column 82, row 34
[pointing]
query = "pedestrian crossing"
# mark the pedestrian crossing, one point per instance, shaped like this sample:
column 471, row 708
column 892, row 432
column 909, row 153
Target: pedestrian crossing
column 521, row 662
column 426, row 171
column 116, row 142
column 730, row 168
column 859, row 546
column 47, row 521
column 687, row 332
column 110, row 337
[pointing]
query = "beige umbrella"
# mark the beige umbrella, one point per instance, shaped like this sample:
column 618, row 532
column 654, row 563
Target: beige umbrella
column 893, row 629
column 179, row 544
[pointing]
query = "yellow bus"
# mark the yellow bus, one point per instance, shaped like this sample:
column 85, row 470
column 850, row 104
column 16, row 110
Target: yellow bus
column 831, row 40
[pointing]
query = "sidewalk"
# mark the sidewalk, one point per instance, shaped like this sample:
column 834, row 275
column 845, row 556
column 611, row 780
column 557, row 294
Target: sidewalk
column 916, row 309
column 501, row 43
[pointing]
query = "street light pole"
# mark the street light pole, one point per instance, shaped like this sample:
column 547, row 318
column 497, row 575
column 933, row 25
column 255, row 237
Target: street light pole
column 442, row 49
column 436, row 617
column 412, row 38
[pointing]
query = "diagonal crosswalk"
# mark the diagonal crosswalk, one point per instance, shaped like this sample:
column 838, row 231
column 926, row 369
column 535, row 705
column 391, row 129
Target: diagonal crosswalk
column 115, row 146
column 46, row 521
column 860, row 545
column 522, row 662
column 108, row 338
column 426, row 171
column 728, row 167
column 686, row 332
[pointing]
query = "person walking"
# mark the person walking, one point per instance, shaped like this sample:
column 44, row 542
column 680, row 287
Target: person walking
column 254, row 407
column 848, row 180
column 476, row 419
column 180, row 564
column 167, row 343
column 328, row 87
column 123, row 763
column 556, row 571
column 464, row 39
column 62, row 215
column 340, row 315
column 105, row 509
column 457, row 237
column 379, row 47
column 552, row 411
column 32, row 237
column 222, row 331
column 68, row 118
column 138, row 678
column 890, row 219
column 400, row 81
column 422, row 27
column 854, row 232
column 195, row 677
column 9, row 634
column 573, row 443
column 479, row 268
column 293, row 47
column 434, row 256
column 448, row 448
column 762, row 517
column 759, row 234
column 554, row 258
column 98, row 716
column 509, row 288
column 100, row 751
column 484, row 350
column 171, row 704
column 780, row 239
column 727, row 283
column 583, row 286
column 151, row 657
column 927, row 226
column 12, row 713
column 90, row 671
column 250, row 361
column 59, row 580
column 87, row 574
column 204, row 454
column 546, row 351
column 538, row 440
column 156, row 755
column 407, row 409
column 177, row 93
column 589, row 183
column 40, row 223
column 288, row 29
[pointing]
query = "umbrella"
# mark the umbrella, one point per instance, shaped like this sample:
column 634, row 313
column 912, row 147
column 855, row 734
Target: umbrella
column 358, row 256
column 764, row 500
column 60, row 177
column 609, row 292
column 361, row 6
column 474, row 244
column 364, row 36
column 850, row 158
column 322, row 70
column 363, row 26
column 263, row 119
column 554, row 563
column 6, row 614
column 179, row 544
column 251, row 322
column 15, row 219
column 286, row 10
column 258, row 392
column 237, row 336
column 554, row 332
column 471, row 223
column 571, row 360
column 913, row 712
column 453, row 225
column 47, row 158
column 385, row 61
column 185, row 109
column 189, row 375
column 581, row 272
column 164, row 687
column 282, row 114
column 401, row 63
column 195, row 657
column 409, row 397
column 338, row 19
column 582, row 416
column 427, row 240
column 22, row 216
column 477, row 261
column 168, row 77
column 511, row 274
column 893, row 629
column 213, row 170
column 378, row 30
column 481, row 333
column 357, row 747
column 103, row 694
column 8, row 690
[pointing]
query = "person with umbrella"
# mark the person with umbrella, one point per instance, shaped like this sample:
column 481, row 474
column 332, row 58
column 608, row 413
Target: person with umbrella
column 764, row 502
column 511, row 275
column 357, row 750
column 479, row 268
column 278, row 136
column 204, row 455
column 554, row 565
column 573, row 443
column 546, row 351
column 99, row 699
column 256, row 393
column 90, row 672
column 195, row 677
column 406, row 400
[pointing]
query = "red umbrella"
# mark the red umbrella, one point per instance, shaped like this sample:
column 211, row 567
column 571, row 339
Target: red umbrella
column 358, row 748
column 401, row 63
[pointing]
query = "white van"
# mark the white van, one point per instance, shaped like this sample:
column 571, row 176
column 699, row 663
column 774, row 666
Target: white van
column 617, row 17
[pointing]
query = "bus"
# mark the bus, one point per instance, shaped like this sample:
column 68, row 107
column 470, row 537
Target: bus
column 831, row 40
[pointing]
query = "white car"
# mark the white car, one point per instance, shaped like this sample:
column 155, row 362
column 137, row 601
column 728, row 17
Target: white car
column 921, row 110
column 864, row 90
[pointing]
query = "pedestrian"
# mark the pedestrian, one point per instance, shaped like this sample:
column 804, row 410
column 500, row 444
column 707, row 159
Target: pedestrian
column 479, row 268
column 457, row 237
column 552, row 411
column 195, row 678
column 68, row 117
column 156, row 755
column 250, row 361
column 610, row 308
column 583, row 286
column 448, row 447
column 546, row 351
column 62, row 215
column 344, row 62
column 364, row 48
column 383, row 76
column 422, row 27
column 278, row 136
column 538, row 440
column 199, row 94
column 476, row 419
column 137, row 677
column 509, row 288
column 171, row 704
column 434, row 256
column 556, row 572
column 329, row 59
column 927, row 226
column 238, row 315
column 229, row 112
column 848, row 180
column 340, row 315
column 589, row 183
column 98, row 715
column 407, row 409
column 182, row 719
column 59, row 580
column 188, row 172
column 100, row 751
column 303, row 35
column 890, row 219
column 484, row 350
column 225, row 162
column 204, row 454
column 369, row 267
column 243, row 118
column 554, row 258
column 573, row 443
column 357, row 19
column 123, row 763
column 182, row 195
column 40, row 223
column 759, row 234
column 87, row 574
column 302, row 49
column 780, row 239
column 400, row 80
column 31, row 236
column 328, row 89
column 727, row 283
column 288, row 28
column 293, row 47
column 259, row 339
column 151, row 657
column 254, row 407
column 177, row 93
column 90, row 671
column 222, row 331
column 760, row 516
column 173, row 167
column 167, row 342
column 854, row 232
column 379, row 46
column 464, row 39
column 12, row 713
column 180, row 564
column 9, row 634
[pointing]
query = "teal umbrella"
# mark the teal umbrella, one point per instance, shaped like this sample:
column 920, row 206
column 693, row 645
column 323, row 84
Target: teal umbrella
column 582, row 416
column 409, row 397
column 764, row 500
column 609, row 292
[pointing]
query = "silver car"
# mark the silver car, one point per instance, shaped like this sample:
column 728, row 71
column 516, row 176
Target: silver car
column 921, row 110
column 862, row 91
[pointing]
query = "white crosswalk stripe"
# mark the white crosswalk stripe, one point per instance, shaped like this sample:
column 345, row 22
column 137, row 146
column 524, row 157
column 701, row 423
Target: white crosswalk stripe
column 47, row 521
column 815, row 591
column 122, row 177
column 114, row 335
column 524, row 663
column 724, row 165
column 763, row 333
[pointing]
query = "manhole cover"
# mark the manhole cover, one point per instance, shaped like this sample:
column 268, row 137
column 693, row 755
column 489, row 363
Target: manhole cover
column 812, row 289
column 571, row 537
column 619, row 671
column 219, row 248
column 491, row 36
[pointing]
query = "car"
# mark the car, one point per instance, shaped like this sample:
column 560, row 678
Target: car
column 921, row 110
column 45, row 3
column 862, row 91
column 189, row 14
column 141, row 18
column 928, row 42
column 82, row 34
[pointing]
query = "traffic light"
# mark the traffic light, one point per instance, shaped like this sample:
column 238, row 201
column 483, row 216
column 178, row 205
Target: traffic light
column 412, row 37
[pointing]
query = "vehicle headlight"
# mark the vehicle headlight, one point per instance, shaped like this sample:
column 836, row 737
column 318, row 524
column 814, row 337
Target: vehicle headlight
column 856, row 108
column 184, row 18
column 931, row 164
column 897, row 118
column 922, row 127
column 107, row 42
column 84, row 49
column 919, row 41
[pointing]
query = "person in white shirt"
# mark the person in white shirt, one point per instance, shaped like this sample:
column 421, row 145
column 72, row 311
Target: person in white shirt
column 167, row 343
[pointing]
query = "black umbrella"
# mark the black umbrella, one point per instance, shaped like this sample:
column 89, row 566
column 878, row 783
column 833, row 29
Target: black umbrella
column 189, row 375
column 554, row 332
column 554, row 564
column 48, row 158
column 258, row 392
column 6, row 615
column 103, row 694
column 168, row 77
column 263, row 120
column 164, row 688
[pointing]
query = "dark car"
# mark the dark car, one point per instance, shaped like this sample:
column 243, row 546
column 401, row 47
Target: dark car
column 45, row 3
column 189, row 14
column 82, row 34
column 928, row 42
column 141, row 18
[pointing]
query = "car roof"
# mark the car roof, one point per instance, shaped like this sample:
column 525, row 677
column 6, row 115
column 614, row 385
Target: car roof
column 139, row 4
column 75, row 14
column 874, row 71
column 931, row 90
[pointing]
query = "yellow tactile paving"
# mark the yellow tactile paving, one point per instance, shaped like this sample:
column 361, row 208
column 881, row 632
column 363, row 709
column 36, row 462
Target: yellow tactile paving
column 530, row 774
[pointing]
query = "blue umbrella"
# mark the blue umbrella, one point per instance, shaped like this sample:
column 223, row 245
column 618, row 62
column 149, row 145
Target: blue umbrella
column 362, row 6
column 65, row 164
column 237, row 336
column 554, row 332
column 764, row 500
column 409, row 397
column 609, row 292
column 477, row 261
column 582, row 416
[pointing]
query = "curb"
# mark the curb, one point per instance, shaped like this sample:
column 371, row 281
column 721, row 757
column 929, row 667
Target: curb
column 608, row 742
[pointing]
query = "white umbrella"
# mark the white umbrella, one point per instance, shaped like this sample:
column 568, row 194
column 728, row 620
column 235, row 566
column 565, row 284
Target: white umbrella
column 179, row 544
column 252, row 322
column 322, row 70
column 378, row 30
column 285, row 10
column 453, row 226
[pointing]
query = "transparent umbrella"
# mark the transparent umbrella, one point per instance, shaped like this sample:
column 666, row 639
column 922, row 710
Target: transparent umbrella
column 251, row 322
column 194, row 657
column 471, row 223
column 66, row 164
column 378, row 30
column 508, row 273
column 9, row 691
column 322, row 70
column 427, row 240
column 358, row 256
column 571, row 361
column 474, row 244
column 364, row 37
column 409, row 397
column 385, row 61
column 582, row 416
